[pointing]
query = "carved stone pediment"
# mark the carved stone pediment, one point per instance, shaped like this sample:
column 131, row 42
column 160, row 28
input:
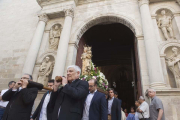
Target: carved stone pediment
column 49, row 2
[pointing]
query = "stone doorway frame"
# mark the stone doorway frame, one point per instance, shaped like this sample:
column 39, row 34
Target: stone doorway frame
column 113, row 18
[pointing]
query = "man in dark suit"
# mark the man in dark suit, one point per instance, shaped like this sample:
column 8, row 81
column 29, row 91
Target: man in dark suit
column 21, row 100
column 95, row 106
column 116, row 96
column 114, row 107
column 41, row 111
column 67, row 102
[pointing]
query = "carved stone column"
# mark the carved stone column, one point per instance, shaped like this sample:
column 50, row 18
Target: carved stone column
column 152, row 52
column 63, row 44
column 156, row 29
column 177, row 20
column 35, row 45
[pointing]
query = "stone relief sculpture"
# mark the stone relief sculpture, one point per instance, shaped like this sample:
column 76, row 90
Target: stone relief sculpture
column 44, row 71
column 173, row 63
column 86, row 60
column 54, row 36
column 165, row 24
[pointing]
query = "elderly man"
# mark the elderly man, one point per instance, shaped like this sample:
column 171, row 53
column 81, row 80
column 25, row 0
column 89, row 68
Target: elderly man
column 67, row 102
column 95, row 106
column 143, row 109
column 156, row 106
column 3, row 104
column 21, row 100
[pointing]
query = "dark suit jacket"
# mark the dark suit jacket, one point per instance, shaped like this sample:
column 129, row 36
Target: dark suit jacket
column 98, row 108
column 20, row 103
column 38, row 109
column 70, row 99
column 116, row 110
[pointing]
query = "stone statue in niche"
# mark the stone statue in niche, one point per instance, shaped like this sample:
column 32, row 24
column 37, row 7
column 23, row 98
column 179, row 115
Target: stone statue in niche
column 173, row 63
column 86, row 60
column 44, row 71
column 54, row 37
column 165, row 24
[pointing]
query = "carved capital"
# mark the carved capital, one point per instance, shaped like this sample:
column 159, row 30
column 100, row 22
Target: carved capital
column 69, row 12
column 142, row 2
column 176, row 14
column 43, row 17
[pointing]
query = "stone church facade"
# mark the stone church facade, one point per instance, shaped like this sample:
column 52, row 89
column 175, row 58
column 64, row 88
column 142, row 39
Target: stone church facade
column 42, row 38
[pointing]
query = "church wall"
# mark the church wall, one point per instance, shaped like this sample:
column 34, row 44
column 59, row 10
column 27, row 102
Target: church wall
column 18, row 21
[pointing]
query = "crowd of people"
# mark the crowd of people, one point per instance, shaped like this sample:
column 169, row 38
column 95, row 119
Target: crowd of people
column 73, row 99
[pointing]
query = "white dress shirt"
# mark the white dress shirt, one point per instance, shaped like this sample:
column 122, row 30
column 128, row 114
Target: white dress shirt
column 3, row 103
column 43, row 113
column 110, row 102
column 87, row 106
column 145, row 108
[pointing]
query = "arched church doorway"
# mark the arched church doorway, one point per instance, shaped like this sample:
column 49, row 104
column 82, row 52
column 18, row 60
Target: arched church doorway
column 115, row 54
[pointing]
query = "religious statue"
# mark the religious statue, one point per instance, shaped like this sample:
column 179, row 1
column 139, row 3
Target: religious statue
column 54, row 37
column 165, row 24
column 44, row 71
column 173, row 63
column 86, row 61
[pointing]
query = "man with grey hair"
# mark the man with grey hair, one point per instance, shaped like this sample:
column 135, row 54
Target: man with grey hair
column 67, row 102
column 156, row 106
column 143, row 109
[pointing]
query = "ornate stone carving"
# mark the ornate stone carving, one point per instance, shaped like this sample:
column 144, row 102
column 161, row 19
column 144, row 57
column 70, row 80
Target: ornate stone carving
column 86, row 61
column 141, row 2
column 173, row 63
column 54, row 36
column 45, row 70
column 43, row 17
column 165, row 24
column 69, row 12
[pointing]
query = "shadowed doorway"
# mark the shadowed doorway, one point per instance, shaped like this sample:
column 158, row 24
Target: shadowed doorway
column 115, row 54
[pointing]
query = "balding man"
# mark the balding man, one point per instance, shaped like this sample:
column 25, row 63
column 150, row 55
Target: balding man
column 143, row 109
column 95, row 106
column 67, row 102
column 156, row 106
column 21, row 99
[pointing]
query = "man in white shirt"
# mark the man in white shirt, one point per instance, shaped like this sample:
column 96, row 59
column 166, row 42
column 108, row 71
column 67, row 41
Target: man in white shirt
column 95, row 106
column 143, row 109
column 114, row 106
column 41, row 111
column 3, row 104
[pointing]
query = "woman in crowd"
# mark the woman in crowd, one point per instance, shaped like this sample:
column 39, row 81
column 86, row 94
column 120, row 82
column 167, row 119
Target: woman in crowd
column 136, row 113
column 125, row 111
column 131, row 116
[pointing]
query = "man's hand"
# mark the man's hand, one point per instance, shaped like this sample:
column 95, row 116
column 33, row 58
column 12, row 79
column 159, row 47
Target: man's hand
column 31, row 119
column 17, row 85
column 24, row 83
column 64, row 81
column 56, row 85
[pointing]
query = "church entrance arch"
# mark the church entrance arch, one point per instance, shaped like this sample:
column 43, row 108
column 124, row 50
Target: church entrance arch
column 114, row 52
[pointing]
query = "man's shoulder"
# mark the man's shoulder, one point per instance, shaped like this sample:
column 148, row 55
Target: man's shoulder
column 82, row 82
column 4, row 90
column 100, row 94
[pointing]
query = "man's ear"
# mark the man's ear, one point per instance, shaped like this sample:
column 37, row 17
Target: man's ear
column 78, row 72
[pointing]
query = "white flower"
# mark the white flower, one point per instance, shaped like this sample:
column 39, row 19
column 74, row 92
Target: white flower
column 93, row 77
column 100, row 81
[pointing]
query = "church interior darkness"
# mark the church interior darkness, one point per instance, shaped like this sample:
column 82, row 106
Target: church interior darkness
column 114, row 54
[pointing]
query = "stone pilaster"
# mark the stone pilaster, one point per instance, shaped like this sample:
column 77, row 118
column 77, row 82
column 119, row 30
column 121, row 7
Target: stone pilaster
column 152, row 52
column 176, row 17
column 35, row 45
column 63, row 44
column 156, row 29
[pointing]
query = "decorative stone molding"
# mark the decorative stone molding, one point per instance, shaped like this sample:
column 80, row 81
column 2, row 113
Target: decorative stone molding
column 153, row 16
column 162, row 47
column 43, row 17
column 74, row 43
column 140, row 37
column 69, row 12
column 175, row 14
column 142, row 2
